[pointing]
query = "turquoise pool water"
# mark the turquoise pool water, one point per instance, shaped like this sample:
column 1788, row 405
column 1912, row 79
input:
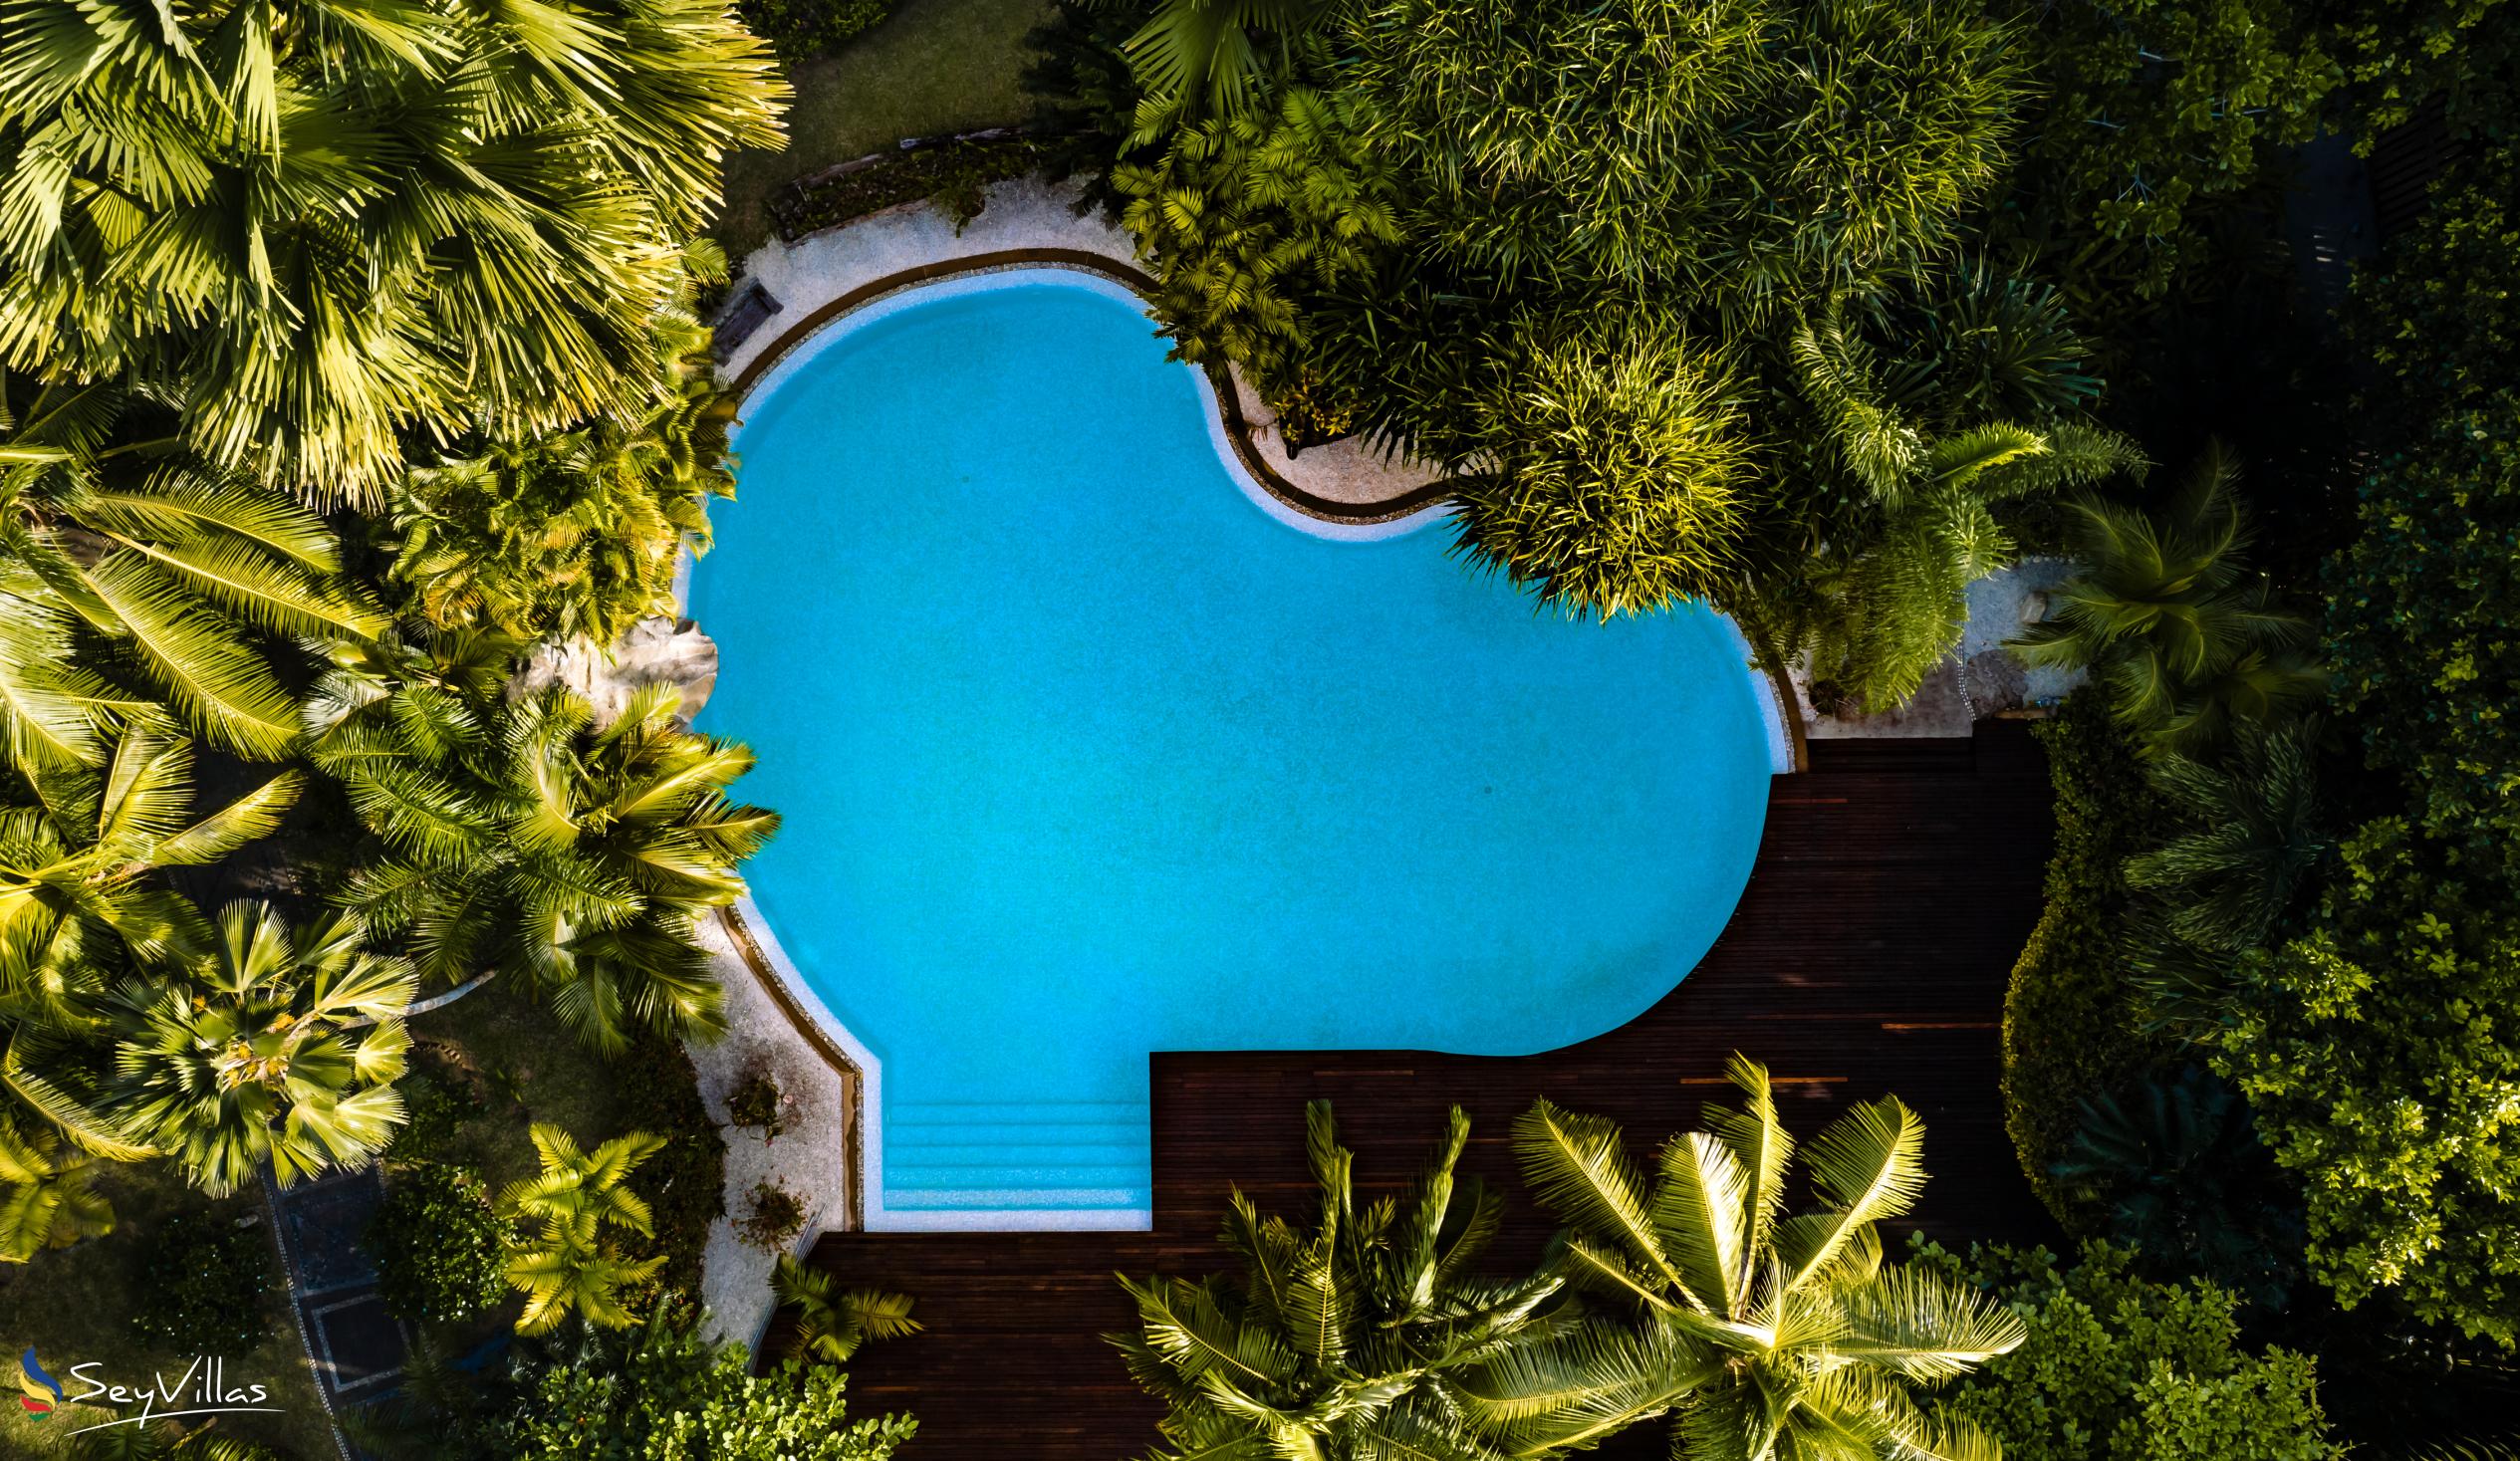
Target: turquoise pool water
column 1084, row 755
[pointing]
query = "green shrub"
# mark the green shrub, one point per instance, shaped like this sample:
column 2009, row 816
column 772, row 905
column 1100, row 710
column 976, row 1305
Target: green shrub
column 2158, row 110
column 2120, row 1368
column 2375, row 1049
column 800, row 30
column 1609, row 464
column 437, row 1244
column 951, row 174
column 2423, row 606
column 683, row 1185
column 203, row 1285
column 2070, row 1030
column 677, row 1395
column 438, row 1098
column 2377, row 1055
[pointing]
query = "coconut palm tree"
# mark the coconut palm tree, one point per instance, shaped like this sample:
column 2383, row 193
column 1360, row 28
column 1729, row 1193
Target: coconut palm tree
column 564, row 1265
column 522, row 838
column 51, row 1200
column 2187, row 637
column 131, row 596
column 832, row 1321
column 275, row 1046
column 1770, row 1337
column 76, row 900
column 1352, row 1340
column 313, row 228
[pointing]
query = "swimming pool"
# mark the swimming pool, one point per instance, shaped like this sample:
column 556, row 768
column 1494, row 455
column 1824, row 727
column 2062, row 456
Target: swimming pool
column 1084, row 753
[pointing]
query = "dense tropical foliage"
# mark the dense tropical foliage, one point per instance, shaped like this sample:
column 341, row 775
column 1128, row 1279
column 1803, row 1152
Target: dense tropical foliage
column 2117, row 1367
column 347, row 354
column 307, row 230
column 351, row 353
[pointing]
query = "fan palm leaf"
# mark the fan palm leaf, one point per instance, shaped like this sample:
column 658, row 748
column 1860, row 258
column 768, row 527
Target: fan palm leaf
column 270, row 1046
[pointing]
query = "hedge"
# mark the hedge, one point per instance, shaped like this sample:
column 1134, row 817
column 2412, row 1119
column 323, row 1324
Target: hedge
column 800, row 30
column 2070, row 1030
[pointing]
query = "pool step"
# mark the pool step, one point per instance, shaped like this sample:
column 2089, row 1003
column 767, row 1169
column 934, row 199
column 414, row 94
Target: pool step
column 1075, row 1156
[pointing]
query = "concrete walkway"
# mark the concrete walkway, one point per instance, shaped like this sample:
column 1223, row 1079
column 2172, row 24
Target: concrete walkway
column 810, row 1157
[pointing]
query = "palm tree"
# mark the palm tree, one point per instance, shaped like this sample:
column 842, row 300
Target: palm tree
column 1771, row 1337
column 1353, row 1340
column 312, row 231
column 144, row 598
column 2252, row 835
column 76, row 899
column 52, row 1201
column 580, row 532
column 276, row 1045
column 1210, row 55
column 832, row 1321
column 1932, row 474
column 2188, row 640
column 523, row 839
column 564, row 1265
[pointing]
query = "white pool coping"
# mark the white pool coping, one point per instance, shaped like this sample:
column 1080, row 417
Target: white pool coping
column 990, row 279
column 873, row 1214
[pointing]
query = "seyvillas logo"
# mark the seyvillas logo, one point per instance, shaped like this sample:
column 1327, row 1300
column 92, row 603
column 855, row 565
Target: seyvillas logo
column 43, row 1393
column 203, row 1388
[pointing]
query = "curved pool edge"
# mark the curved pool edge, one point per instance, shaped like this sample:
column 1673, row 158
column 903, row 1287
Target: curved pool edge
column 1229, row 431
column 750, row 930
column 757, row 945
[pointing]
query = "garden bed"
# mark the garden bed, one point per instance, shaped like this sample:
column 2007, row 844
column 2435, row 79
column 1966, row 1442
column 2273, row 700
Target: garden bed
column 952, row 172
column 77, row 1305
column 935, row 66
column 488, row 1067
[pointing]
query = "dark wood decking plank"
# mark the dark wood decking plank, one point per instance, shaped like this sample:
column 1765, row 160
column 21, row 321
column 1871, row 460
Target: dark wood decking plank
column 1895, row 887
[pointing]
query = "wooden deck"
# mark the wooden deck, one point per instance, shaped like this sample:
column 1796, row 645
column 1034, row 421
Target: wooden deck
column 1895, row 887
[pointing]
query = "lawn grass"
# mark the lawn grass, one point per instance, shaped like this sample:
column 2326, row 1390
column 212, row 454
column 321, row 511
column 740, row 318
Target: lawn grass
column 522, row 1066
column 934, row 66
column 74, row 1305
column 532, row 1071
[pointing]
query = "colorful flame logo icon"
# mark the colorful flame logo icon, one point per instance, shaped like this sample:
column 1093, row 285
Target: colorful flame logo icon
column 43, row 1393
